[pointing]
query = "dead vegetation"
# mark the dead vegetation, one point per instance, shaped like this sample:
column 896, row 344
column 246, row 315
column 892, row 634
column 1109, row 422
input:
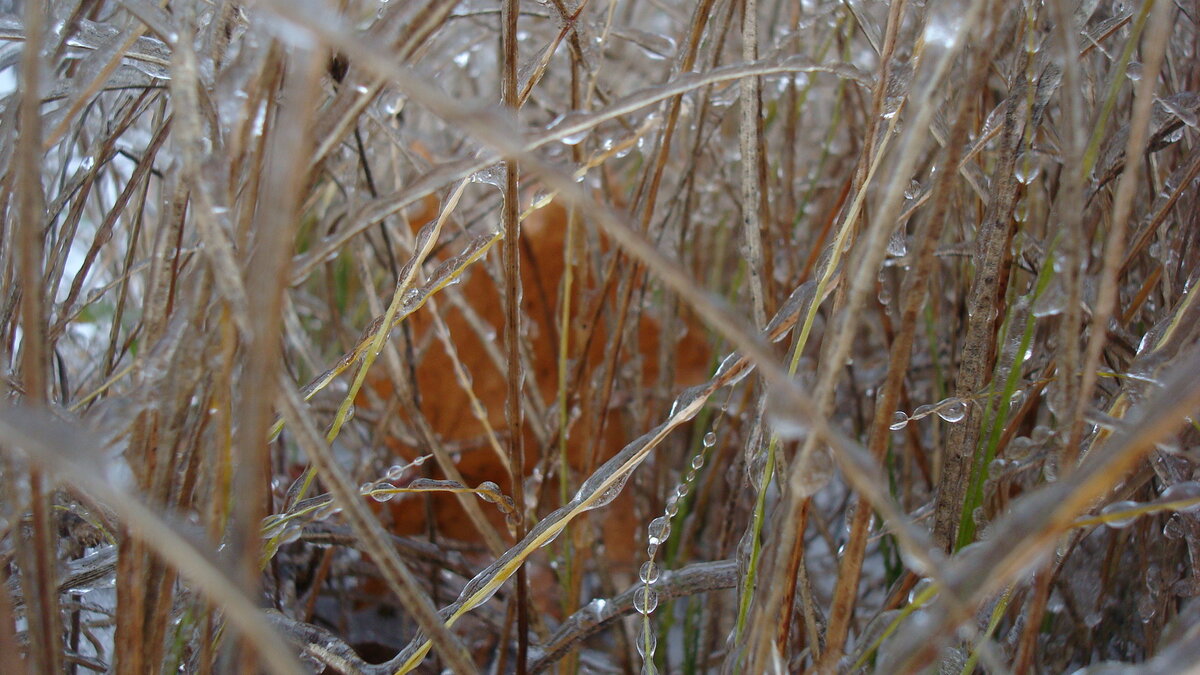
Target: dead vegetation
column 820, row 336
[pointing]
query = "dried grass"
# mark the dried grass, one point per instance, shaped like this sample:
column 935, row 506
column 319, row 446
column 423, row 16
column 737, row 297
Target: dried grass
column 372, row 337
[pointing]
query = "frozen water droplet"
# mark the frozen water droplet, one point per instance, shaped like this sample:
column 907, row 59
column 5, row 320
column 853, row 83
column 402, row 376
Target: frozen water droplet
column 1027, row 168
column 727, row 364
column 382, row 492
column 479, row 584
column 1183, row 106
column 919, row 589
column 1184, row 492
column 698, row 460
column 710, row 439
column 659, row 530
column 1174, row 528
column 1021, row 210
column 645, row 601
column 899, row 420
column 605, row 497
column 803, row 294
column 540, row 529
column 327, row 511
column 488, row 491
column 891, row 106
column 648, row 572
column 688, row 403
column 290, row 533
column 897, row 245
column 494, row 175
column 994, row 119
column 542, row 198
column 1118, row 522
column 394, row 472
column 646, row 644
column 952, row 409
column 391, row 103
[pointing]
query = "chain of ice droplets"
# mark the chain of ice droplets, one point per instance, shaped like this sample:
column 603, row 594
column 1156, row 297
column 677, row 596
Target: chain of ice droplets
column 646, row 600
column 377, row 489
column 287, row 527
column 951, row 409
column 384, row 490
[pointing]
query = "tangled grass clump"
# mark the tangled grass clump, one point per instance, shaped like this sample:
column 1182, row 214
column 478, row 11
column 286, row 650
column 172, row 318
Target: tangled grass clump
column 581, row 336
